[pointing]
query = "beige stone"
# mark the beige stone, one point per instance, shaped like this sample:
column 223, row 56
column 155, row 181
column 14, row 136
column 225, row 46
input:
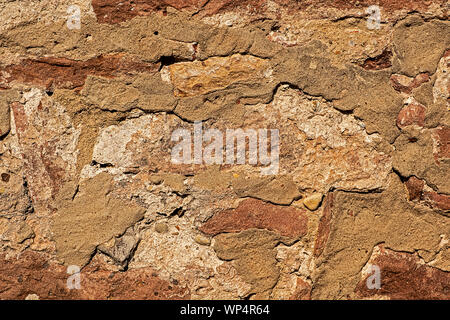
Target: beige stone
column 161, row 227
column 201, row 77
column 4, row 117
column 313, row 201
column 200, row 239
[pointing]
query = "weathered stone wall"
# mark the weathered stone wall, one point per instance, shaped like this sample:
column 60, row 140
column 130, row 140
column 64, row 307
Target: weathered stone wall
column 87, row 114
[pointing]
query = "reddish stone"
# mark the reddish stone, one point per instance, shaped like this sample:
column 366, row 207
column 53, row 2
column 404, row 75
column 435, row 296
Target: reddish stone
column 71, row 74
column 20, row 118
column 433, row 199
column 404, row 277
column 411, row 114
column 116, row 11
column 252, row 213
column 415, row 188
column 442, row 137
column 379, row 62
column 32, row 273
column 302, row 291
column 415, row 83
column 42, row 160
column 324, row 229
column 386, row 5
column 436, row 200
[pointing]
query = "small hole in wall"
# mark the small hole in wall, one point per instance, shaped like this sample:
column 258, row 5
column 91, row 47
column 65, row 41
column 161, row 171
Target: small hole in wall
column 49, row 92
column 5, row 177
column 167, row 60
column 156, row 33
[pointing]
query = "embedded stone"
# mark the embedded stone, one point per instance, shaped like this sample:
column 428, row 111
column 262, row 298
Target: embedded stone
column 79, row 229
column 4, row 117
column 404, row 277
column 313, row 201
column 252, row 213
column 161, row 227
column 411, row 114
column 201, row 77
column 200, row 239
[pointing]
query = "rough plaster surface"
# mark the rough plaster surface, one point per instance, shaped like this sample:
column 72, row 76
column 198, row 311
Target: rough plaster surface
column 86, row 177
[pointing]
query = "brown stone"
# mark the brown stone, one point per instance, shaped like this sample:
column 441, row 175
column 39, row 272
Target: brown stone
column 416, row 155
column 324, row 229
column 79, row 228
column 387, row 5
column 4, row 117
column 404, row 277
column 433, row 199
column 415, row 188
column 436, row 200
column 216, row 73
column 379, row 62
column 411, row 114
column 47, row 142
column 362, row 221
column 406, row 85
column 33, row 273
column 116, row 11
column 252, row 213
column 52, row 72
column 418, row 46
column 279, row 189
column 254, row 258
column 302, row 290
column 442, row 137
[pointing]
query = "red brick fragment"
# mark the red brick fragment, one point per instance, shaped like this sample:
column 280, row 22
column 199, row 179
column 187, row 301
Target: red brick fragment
column 415, row 188
column 302, row 291
column 32, row 273
column 116, row 11
column 432, row 199
column 398, row 82
column 438, row 201
column 442, row 138
column 252, row 213
column 51, row 72
column 404, row 277
column 411, row 114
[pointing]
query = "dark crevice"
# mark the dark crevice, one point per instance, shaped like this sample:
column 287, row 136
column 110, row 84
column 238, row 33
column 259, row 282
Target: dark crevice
column 169, row 60
column 249, row 296
column 76, row 192
column 101, row 165
column 382, row 61
column 30, row 208
column 403, row 179
column 370, row 191
column 178, row 212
